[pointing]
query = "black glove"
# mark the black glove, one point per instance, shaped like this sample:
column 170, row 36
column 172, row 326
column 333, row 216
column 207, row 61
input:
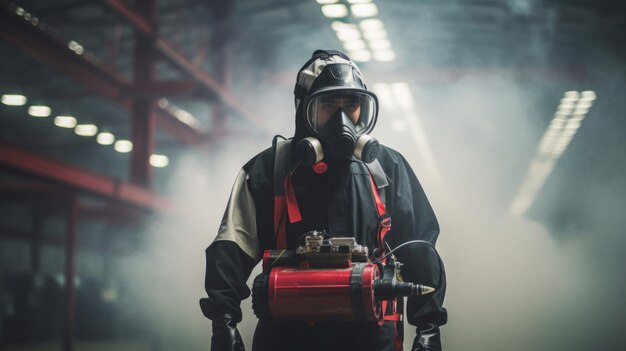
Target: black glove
column 226, row 337
column 427, row 338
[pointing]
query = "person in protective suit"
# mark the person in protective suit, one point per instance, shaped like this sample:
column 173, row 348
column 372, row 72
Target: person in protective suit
column 324, row 178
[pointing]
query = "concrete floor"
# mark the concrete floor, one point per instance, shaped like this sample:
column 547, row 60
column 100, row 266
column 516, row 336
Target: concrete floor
column 83, row 346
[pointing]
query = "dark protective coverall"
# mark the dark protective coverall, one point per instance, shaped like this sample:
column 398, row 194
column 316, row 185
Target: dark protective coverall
column 341, row 202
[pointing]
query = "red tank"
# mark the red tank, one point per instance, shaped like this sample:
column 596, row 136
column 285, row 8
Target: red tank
column 323, row 294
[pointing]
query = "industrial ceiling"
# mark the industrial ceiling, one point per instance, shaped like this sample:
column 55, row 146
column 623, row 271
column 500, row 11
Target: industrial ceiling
column 174, row 76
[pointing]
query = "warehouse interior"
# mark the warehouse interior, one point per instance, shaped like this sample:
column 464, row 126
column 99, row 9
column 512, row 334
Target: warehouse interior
column 124, row 124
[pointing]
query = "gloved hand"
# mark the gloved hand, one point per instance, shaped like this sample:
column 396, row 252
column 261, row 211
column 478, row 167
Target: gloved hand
column 427, row 338
column 226, row 337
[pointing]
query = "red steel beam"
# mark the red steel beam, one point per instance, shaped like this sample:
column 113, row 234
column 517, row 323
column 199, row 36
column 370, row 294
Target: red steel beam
column 23, row 161
column 181, row 61
column 90, row 74
column 137, row 20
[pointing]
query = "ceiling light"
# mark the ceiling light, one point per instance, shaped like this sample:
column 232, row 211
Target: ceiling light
column 375, row 34
column 338, row 25
column 348, row 34
column 185, row 117
column 573, row 124
column 581, row 110
column 569, row 100
column 182, row 115
column 360, row 55
column 568, row 103
column 384, row 55
column 371, row 24
column 105, row 138
column 553, row 144
column 325, row 2
column 566, row 107
column 364, row 10
column 39, row 111
column 76, row 47
column 159, row 161
column 14, row 99
column 380, row 44
column 123, row 146
column 354, row 45
column 560, row 114
column 588, row 95
column 584, row 103
column 571, row 94
column 557, row 123
column 65, row 121
column 86, row 129
column 335, row 10
column 163, row 102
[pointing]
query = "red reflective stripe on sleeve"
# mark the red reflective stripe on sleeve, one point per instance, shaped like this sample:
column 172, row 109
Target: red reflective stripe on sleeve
column 292, row 203
column 279, row 222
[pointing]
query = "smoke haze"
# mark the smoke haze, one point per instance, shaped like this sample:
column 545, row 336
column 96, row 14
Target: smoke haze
column 514, row 283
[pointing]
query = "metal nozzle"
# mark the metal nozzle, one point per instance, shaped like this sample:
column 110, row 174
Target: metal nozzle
column 423, row 289
column 387, row 290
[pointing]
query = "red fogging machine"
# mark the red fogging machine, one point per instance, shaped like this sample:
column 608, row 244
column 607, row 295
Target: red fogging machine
column 328, row 279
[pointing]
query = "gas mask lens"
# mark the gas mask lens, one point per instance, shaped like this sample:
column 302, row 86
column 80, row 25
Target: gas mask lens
column 358, row 106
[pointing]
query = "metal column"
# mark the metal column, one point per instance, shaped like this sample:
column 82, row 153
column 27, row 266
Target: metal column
column 70, row 273
column 35, row 248
column 220, row 45
column 143, row 107
column 222, row 68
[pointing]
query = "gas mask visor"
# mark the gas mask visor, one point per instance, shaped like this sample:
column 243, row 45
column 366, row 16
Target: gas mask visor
column 360, row 106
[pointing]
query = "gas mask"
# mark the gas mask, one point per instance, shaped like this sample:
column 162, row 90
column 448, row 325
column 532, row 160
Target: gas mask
column 338, row 121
